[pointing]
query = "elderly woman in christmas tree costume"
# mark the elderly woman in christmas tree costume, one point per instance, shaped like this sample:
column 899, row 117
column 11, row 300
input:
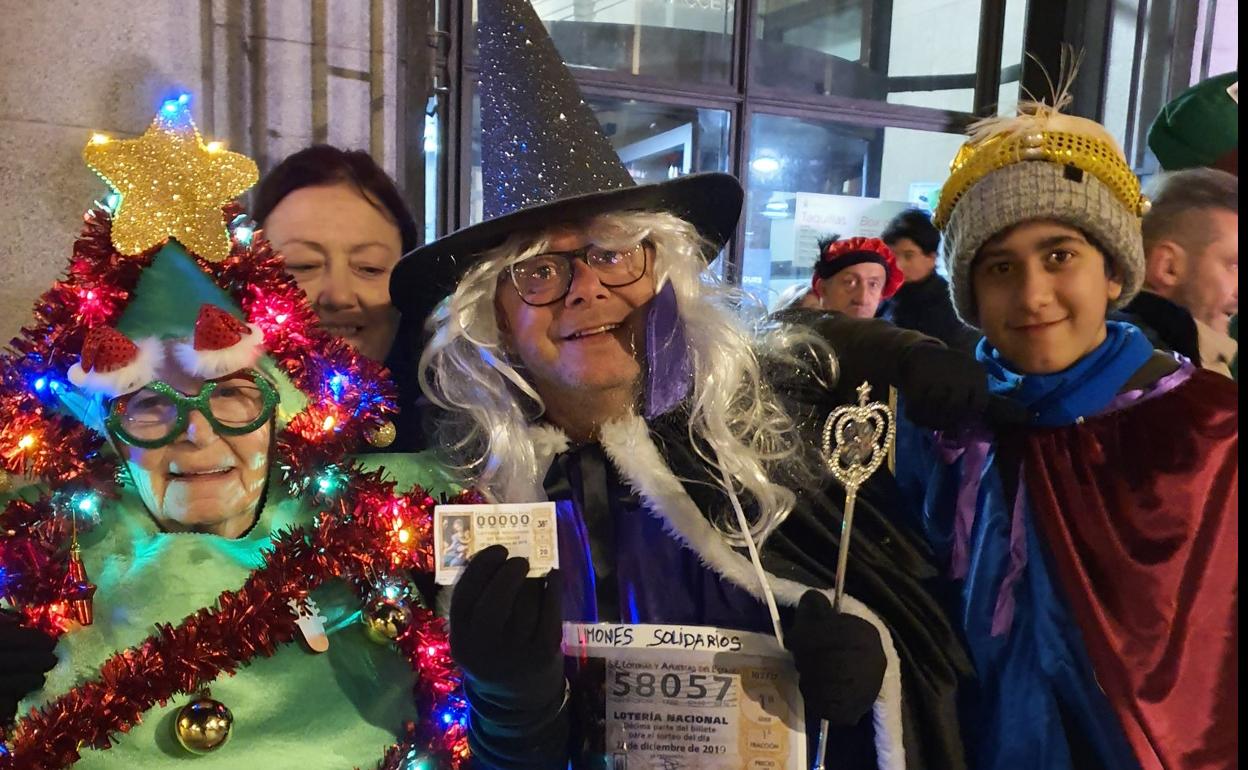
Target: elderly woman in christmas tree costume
column 192, row 370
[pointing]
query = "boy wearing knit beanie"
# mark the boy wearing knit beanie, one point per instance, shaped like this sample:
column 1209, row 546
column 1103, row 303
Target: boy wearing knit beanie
column 1095, row 548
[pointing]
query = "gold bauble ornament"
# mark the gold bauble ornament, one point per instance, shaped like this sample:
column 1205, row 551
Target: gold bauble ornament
column 383, row 435
column 203, row 725
column 385, row 619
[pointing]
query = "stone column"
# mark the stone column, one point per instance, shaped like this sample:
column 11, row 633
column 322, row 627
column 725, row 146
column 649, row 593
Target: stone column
column 69, row 68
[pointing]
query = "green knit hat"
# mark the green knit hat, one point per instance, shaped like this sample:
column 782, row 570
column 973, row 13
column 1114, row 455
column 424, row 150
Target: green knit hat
column 1200, row 127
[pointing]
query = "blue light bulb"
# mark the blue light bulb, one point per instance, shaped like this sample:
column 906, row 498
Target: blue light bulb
column 41, row 383
column 337, row 384
column 173, row 106
column 417, row 762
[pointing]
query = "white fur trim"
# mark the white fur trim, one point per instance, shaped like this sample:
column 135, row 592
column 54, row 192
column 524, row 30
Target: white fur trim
column 127, row 379
column 547, row 441
column 629, row 445
column 627, row 442
column 211, row 364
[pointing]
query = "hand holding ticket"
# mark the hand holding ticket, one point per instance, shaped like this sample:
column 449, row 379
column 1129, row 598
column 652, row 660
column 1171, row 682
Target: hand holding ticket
column 524, row 529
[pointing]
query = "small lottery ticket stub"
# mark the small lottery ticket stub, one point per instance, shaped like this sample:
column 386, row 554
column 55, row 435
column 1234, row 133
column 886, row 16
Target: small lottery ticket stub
column 684, row 697
column 526, row 529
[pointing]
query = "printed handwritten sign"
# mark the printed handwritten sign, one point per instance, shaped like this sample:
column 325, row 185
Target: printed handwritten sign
column 685, row 697
column 679, row 638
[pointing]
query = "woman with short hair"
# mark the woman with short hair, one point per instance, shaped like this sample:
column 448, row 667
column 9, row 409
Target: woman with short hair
column 342, row 225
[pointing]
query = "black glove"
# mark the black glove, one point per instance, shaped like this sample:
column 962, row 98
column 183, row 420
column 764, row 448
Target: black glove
column 943, row 388
column 25, row 656
column 503, row 624
column 839, row 658
column 506, row 634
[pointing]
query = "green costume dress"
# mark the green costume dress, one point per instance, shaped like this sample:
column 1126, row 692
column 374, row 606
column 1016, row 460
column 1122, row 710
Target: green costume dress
column 297, row 709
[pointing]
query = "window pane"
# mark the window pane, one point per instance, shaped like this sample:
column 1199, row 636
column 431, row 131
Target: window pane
column 811, row 179
column 914, row 164
column 683, row 40
column 1012, row 57
column 1124, row 21
column 661, row 141
column 432, row 161
column 918, row 52
column 655, row 141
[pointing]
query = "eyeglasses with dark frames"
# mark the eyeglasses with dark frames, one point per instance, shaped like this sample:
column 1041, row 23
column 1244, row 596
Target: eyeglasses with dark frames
column 545, row 279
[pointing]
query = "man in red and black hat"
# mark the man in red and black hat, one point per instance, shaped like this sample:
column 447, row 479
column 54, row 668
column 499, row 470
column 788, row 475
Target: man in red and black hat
column 854, row 276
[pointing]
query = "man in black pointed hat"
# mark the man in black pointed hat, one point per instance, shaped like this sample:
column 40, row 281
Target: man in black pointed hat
column 586, row 357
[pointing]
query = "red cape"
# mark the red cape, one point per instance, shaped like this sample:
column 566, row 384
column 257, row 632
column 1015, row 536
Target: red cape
column 1140, row 509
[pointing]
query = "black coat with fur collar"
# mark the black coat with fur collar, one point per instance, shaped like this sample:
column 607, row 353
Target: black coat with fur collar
column 892, row 578
column 891, row 569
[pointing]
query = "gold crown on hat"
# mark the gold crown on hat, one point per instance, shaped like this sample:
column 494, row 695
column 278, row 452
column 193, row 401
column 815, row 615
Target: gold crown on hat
column 1041, row 132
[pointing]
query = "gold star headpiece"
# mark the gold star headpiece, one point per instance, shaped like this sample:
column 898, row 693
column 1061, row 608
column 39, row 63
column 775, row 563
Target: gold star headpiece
column 171, row 184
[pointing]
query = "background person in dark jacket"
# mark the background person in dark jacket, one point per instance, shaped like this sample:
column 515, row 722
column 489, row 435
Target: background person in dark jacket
column 922, row 303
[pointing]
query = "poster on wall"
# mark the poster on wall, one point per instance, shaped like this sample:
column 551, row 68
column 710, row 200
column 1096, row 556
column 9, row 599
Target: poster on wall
column 923, row 195
column 817, row 215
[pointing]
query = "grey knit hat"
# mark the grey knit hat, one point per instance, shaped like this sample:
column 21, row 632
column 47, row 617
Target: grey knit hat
column 1040, row 189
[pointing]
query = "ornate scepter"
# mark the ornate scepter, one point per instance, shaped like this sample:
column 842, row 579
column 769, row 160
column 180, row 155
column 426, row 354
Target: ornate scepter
column 856, row 441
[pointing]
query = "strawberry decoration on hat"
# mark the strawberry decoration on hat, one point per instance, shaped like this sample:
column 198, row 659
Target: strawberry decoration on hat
column 113, row 365
column 222, row 344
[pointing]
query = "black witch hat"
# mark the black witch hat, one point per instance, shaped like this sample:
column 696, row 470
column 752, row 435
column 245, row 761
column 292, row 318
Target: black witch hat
column 545, row 161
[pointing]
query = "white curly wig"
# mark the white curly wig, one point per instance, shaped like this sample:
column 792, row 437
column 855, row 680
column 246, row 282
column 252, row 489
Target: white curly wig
column 733, row 411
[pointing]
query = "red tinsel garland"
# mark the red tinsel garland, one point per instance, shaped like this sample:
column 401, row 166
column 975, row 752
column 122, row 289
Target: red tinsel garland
column 255, row 620
column 348, row 395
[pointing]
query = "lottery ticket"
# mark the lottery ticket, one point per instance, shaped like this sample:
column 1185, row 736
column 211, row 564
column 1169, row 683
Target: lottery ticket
column 526, row 529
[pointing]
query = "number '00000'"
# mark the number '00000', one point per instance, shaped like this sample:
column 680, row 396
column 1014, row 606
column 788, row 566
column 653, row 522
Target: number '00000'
column 503, row 520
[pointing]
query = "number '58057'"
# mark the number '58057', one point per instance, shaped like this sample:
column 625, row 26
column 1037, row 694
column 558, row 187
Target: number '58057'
column 646, row 684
